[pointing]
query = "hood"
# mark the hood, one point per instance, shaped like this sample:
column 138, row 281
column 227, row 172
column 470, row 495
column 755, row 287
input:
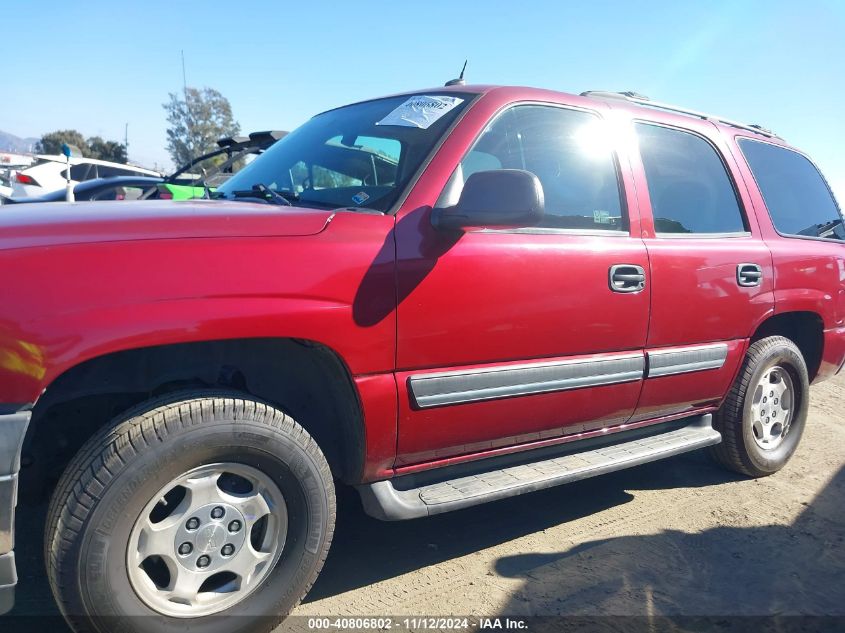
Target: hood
column 50, row 224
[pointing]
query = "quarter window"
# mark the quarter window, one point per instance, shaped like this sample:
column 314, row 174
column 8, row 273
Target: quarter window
column 568, row 150
column 107, row 171
column 796, row 195
column 81, row 172
column 688, row 184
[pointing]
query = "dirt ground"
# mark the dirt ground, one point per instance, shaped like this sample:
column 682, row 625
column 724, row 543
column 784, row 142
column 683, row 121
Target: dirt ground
column 677, row 537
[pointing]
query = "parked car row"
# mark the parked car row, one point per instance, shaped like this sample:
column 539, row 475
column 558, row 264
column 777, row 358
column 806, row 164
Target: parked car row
column 50, row 173
column 96, row 180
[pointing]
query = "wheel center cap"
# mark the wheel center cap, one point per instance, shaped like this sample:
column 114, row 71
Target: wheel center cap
column 211, row 538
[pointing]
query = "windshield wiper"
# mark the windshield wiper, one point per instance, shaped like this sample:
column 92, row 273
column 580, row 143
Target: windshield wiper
column 263, row 192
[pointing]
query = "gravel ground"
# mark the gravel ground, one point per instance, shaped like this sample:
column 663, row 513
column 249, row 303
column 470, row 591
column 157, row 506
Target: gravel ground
column 677, row 537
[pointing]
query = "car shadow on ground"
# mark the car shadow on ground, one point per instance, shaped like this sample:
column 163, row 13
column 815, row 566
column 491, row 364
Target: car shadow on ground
column 728, row 575
column 366, row 551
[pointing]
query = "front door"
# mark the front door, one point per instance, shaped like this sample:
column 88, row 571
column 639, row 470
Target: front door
column 520, row 336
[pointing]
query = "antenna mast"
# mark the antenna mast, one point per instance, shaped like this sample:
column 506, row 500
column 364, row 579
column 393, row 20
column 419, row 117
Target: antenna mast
column 460, row 80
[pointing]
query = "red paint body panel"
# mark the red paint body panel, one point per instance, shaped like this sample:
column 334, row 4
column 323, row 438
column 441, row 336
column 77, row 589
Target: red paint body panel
column 833, row 357
column 378, row 399
column 393, row 297
column 695, row 296
column 531, row 445
column 65, row 304
column 495, row 296
column 51, row 224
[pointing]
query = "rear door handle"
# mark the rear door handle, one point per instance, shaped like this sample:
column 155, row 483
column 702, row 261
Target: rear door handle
column 749, row 275
column 626, row 278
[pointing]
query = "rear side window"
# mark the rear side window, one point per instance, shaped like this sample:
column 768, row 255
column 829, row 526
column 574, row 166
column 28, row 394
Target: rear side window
column 107, row 171
column 796, row 195
column 81, row 172
column 688, row 184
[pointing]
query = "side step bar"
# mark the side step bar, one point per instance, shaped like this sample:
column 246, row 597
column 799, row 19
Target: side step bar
column 408, row 497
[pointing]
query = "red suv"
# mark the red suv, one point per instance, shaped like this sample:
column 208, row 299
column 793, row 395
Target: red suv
column 442, row 298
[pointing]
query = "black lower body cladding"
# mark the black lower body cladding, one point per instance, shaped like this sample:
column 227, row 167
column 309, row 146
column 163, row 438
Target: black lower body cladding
column 12, row 431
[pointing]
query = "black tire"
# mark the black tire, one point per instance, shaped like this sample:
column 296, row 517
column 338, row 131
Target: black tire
column 118, row 471
column 738, row 450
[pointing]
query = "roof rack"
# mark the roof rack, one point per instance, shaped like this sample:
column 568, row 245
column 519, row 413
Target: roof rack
column 633, row 97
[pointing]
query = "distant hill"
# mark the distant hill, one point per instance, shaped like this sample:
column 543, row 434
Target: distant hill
column 12, row 143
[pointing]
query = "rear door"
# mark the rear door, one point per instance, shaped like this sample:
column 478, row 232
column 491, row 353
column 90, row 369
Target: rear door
column 711, row 273
column 518, row 336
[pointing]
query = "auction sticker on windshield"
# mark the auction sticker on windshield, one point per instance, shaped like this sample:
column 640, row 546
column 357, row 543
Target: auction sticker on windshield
column 421, row 111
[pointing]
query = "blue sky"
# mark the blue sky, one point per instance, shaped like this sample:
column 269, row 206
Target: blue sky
column 96, row 65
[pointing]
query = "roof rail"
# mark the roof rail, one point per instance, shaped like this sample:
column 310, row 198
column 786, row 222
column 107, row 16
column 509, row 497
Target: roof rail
column 633, row 97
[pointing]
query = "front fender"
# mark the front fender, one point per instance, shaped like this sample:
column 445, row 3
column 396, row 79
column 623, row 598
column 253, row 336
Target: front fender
column 65, row 305
column 30, row 360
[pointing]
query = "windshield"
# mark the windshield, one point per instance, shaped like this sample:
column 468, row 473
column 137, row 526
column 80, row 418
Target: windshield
column 362, row 155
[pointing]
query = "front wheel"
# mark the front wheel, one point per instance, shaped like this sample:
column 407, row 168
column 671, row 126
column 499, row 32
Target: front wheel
column 205, row 511
column 763, row 417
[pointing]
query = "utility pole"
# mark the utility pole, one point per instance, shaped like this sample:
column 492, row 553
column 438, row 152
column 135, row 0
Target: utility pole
column 187, row 107
column 184, row 77
column 126, row 141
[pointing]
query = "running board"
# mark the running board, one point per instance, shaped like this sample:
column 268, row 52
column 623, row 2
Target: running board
column 408, row 497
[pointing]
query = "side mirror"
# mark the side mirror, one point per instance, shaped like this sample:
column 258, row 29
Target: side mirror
column 499, row 198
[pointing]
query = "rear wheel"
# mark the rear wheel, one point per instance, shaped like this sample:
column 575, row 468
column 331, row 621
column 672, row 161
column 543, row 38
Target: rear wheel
column 189, row 511
column 763, row 417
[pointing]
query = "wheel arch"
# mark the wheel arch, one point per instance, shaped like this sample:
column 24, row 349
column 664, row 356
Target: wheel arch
column 305, row 378
column 804, row 328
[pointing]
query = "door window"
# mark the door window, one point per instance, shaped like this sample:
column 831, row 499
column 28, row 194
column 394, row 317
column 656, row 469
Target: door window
column 688, row 184
column 568, row 150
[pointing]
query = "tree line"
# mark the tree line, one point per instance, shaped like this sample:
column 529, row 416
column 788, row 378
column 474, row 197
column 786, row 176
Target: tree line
column 196, row 119
column 91, row 147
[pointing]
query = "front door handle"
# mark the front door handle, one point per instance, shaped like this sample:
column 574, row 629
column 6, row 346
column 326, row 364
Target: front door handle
column 626, row 278
column 749, row 275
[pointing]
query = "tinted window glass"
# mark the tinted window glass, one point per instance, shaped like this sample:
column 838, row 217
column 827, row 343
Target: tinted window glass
column 690, row 189
column 570, row 153
column 106, row 171
column 795, row 193
column 121, row 193
column 81, row 172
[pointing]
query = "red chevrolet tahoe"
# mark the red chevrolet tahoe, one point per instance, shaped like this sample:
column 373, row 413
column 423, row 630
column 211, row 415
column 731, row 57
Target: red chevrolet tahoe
column 442, row 298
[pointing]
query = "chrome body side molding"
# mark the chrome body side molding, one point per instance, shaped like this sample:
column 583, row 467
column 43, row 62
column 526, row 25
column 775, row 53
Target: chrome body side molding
column 686, row 359
column 506, row 381
column 455, row 387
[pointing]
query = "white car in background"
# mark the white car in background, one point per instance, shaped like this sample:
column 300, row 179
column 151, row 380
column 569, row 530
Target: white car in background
column 7, row 176
column 48, row 173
